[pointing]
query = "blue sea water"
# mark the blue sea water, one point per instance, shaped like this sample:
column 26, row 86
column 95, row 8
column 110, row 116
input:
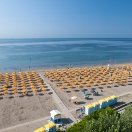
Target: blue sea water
column 16, row 54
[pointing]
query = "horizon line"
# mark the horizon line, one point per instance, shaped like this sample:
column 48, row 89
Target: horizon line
column 69, row 38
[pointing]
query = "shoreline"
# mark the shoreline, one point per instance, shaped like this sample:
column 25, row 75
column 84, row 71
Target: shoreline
column 63, row 67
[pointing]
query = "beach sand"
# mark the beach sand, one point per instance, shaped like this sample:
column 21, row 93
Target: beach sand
column 34, row 111
column 106, row 92
column 19, row 110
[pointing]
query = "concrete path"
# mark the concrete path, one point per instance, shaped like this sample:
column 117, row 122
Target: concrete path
column 24, row 124
column 124, row 94
column 59, row 102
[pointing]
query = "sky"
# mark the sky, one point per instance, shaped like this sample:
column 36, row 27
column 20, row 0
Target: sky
column 65, row 18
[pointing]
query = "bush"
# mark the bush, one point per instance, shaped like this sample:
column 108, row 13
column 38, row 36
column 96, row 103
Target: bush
column 105, row 120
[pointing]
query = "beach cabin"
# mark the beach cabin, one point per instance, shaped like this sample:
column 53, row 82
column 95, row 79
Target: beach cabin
column 110, row 101
column 41, row 129
column 107, row 101
column 113, row 100
column 102, row 103
column 55, row 116
column 89, row 109
column 96, row 105
column 50, row 127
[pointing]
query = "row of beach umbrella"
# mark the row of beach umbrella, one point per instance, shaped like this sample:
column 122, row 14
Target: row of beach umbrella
column 21, row 83
column 90, row 76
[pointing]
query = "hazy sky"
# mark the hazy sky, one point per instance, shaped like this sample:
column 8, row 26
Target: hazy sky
column 65, row 18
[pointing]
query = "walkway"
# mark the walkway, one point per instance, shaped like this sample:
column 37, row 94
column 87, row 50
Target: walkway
column 56, row 98
column 24, row 124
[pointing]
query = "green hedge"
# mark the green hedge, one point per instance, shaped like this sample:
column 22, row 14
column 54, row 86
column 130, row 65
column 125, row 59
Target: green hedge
column 105, row 120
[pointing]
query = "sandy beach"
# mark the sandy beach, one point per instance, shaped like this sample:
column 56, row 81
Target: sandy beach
column 19, row 110
column 27, row 113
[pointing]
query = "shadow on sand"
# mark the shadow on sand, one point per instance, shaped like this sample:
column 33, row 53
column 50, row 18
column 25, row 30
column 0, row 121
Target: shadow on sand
column 119, row 104
column 66, row 121
column 82, row 102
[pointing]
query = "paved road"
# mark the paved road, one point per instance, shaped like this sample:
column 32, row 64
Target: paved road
column 56, row 98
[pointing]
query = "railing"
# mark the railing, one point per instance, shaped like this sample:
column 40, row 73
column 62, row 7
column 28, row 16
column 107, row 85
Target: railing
column 122, row 107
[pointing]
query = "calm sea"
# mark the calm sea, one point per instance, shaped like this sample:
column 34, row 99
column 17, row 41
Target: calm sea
column 16, row 54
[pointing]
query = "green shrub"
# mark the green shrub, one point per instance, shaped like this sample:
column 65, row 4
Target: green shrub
column 105, row 120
